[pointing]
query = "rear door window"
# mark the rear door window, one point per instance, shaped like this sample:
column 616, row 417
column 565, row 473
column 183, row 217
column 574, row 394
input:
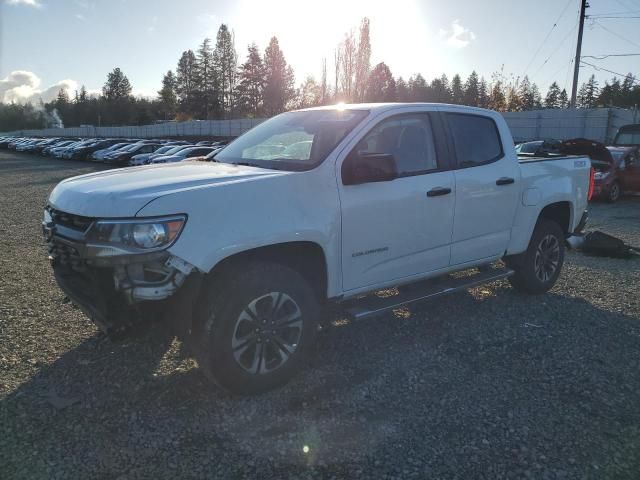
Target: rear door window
column 476, row 139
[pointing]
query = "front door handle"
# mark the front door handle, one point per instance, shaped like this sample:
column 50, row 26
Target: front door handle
column 505, row 181
column 437, row 191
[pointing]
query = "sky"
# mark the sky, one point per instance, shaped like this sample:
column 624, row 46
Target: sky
column 46, row 45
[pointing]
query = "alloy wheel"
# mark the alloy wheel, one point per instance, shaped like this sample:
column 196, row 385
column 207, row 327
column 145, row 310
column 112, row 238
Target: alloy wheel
column 547, row 258
column 267, row 333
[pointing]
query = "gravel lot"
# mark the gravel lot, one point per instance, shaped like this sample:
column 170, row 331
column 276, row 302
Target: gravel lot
column 484, row 384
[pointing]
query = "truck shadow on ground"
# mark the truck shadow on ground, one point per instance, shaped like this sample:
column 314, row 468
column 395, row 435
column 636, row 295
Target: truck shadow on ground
column 469, row 372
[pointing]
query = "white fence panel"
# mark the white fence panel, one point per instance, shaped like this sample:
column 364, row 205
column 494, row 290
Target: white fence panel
column 597, row 124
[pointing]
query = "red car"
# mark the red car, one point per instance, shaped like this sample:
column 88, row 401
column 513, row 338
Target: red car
column 617, row 168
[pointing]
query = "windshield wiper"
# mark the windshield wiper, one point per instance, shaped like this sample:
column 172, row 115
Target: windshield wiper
column 248, row 164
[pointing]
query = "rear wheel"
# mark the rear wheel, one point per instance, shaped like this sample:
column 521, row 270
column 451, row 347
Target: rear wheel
column 537, row 269
column 258, row 328
column 614, row 192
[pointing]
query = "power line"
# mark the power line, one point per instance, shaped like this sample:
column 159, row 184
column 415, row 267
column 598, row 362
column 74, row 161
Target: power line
column 560, row 45
column 602, row 57
column 601, row 17
column 624, row 5
column 555, row 24
column 623, row 75
column 616, row 34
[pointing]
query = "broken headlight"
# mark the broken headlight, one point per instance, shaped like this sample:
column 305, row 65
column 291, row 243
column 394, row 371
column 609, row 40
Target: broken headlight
column 107, row 238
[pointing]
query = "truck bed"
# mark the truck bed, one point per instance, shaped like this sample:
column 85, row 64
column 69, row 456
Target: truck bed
column 530, row 157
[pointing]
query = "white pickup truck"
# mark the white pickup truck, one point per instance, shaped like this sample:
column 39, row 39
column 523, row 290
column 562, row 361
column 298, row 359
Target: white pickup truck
column 312, row 207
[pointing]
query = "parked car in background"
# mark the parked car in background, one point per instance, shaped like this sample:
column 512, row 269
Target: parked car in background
column 84, row 152
column 38, row 147
column 628, row 135
column 208, row 157
column 65, row 142
column 69, row 152
column 617, row 168
column 539, row 147
column 145, row 158
column 57, row 152
column 121, row 157
column 184, row 154
column 99, row 155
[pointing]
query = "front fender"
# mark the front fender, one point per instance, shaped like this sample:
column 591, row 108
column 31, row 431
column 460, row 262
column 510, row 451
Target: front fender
column 228, row 219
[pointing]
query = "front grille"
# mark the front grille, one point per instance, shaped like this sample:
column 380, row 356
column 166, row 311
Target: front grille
column 74, row 222
column 65, row 255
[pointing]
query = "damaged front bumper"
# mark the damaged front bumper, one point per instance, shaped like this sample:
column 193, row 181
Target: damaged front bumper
column 118, row 293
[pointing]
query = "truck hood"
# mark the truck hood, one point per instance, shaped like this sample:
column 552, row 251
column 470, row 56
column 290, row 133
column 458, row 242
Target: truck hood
column 123, row 192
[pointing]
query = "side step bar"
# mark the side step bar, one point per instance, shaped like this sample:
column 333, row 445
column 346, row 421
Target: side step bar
column 372, row 305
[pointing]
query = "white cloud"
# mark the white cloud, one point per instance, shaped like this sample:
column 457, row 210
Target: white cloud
column 30, row 3
column 22, row 86
column 458, row 36
column 80, row 17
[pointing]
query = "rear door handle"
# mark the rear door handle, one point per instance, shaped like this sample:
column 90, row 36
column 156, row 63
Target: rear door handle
column 437, row 191
column 505, row 181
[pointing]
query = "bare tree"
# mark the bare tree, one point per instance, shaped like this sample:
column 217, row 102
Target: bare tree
column 337, row 61
column 363, row 61
column 323, row 84
column 348, row 65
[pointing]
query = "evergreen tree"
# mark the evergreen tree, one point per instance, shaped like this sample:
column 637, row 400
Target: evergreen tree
column 186, row 81
column 526, row 95
column 497, row 98
column 117, row 86
column 483, row 94
column 536, row 97
column 279, row 79
column 588, row 93
column 564, row 99
column 62, row 100
column 457, row 91
column 226, row 61
column 552, row 100
column 440, row 91
column 381, row 86
column 363, row 59
column 472, row 90
column 628, row 92
column 206, row 81
column 514, row 103
column 418, row 89
column 402, row 90
column 251, row 84
column 167, row 95
column 83, row 96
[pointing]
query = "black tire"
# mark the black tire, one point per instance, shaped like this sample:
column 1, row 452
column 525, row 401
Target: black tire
column 537, row 269
column 614, row 193
column 237, row 305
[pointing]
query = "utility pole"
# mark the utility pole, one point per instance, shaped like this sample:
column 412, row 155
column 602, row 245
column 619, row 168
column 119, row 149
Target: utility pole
column 576, row 64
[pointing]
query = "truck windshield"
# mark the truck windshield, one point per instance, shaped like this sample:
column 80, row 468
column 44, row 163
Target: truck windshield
column 628, row 138
column 293, row 141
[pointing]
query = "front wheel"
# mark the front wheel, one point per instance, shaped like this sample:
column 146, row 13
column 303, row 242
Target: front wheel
column 537, row 269
column 258, row 328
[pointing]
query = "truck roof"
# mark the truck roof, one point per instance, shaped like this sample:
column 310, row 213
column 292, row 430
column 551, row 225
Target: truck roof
column 381, row 107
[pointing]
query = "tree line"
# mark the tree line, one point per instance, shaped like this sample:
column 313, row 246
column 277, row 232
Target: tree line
column 211, row 83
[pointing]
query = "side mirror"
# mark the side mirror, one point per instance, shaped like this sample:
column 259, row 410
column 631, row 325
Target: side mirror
column 360, row 168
